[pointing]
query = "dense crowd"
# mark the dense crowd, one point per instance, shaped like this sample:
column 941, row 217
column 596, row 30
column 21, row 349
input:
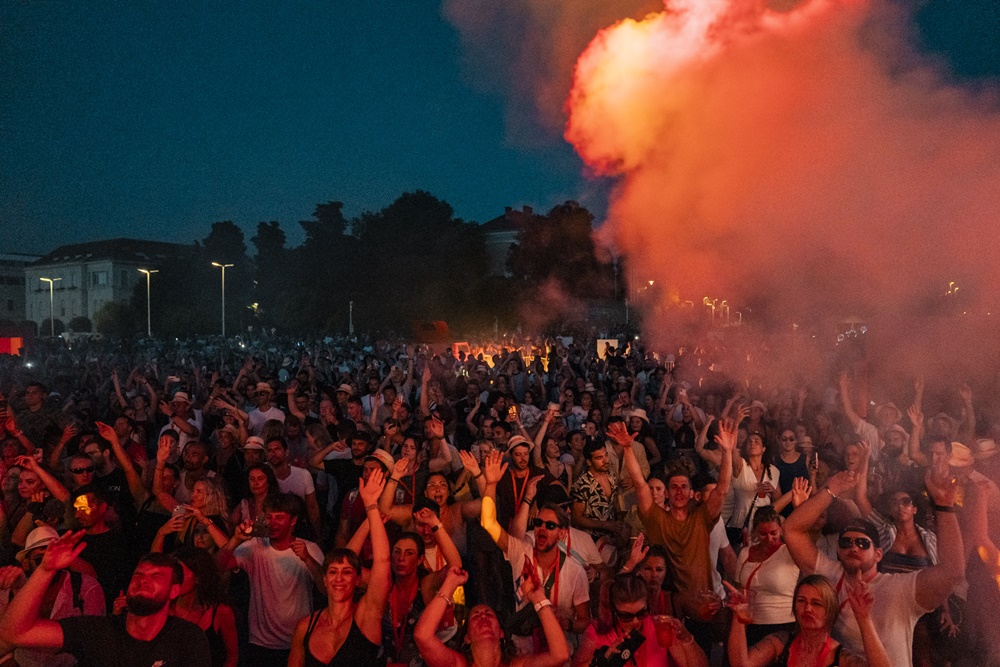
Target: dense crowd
column 538, row 502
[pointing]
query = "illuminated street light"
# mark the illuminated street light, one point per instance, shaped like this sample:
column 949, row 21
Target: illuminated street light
column 223, row 267
column 52, row 315
column 149, row 321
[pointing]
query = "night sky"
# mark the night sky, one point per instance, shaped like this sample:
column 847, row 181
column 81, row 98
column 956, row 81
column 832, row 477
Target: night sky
column 155, row 119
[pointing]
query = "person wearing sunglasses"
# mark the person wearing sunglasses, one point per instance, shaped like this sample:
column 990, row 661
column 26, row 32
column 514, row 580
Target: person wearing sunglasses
column 900, row 599
column 625, row 632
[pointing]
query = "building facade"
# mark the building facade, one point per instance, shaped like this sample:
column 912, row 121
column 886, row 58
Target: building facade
column 87, row 276
column 12, row 292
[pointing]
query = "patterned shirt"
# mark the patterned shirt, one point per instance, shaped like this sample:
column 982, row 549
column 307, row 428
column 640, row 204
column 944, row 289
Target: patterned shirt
column 587, row 490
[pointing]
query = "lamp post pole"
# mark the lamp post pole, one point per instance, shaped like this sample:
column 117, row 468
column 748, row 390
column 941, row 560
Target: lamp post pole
column 149, row 320
column 223, row 267
column 52, row 310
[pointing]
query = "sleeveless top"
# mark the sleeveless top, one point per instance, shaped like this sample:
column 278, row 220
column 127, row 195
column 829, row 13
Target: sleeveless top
column 217, row 647
column 896, row 563
column 356, row 651
column 782, row 660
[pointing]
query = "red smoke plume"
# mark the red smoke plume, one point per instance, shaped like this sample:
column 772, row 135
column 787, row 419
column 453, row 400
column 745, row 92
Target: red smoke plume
column 807, row 162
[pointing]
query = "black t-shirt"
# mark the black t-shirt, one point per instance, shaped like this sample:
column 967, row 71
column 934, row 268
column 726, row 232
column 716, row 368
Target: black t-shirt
column 115, row 488
column 106, row 552
column 102, row 641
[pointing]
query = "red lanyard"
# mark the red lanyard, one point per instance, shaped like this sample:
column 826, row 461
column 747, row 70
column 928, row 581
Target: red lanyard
column 518, row 496
column 793, row 652
column 553, row 594
column 400, row 614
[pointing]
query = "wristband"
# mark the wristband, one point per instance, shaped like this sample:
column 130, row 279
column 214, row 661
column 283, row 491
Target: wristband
column 947, row 509
column 435, row 528
column 369, row 508
column 827, row 489
column 527, row 500
column 542, row 604
column 393, row 479
column 481, row 473
column 447, row 600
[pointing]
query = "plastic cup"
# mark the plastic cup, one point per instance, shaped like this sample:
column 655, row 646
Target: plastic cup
column 664, row 627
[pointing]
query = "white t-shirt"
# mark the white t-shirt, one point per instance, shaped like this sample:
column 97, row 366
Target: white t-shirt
column 573, row 587
column 280, row 590
column 717, row 539
column 745, row 492
column 895, row 611
column 257, row 418
column 299, row 482
column 773, row 585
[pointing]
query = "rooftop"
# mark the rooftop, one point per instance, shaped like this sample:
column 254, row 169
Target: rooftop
column 120, row 250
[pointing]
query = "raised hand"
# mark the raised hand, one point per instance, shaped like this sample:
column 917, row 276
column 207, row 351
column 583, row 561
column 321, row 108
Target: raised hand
column 69, row 432
column 456, row 577
column 494, row 467
column 618, row 432
column 426, row 517
column 532, row 485
column 469, row 462
column 638, row 552
column 164, row 448
column 400, row 468
column 916, row 417
column 437, row 428
column 173, row 525
column 726, row 438
column 63, row 551
column 11, row 578
column 801, row 490
column 372, row 489
column 120, row 604
column 107, row 432
column 531, row 585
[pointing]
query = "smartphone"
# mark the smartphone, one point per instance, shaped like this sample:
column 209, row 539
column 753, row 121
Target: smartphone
column 180, row 511
column 512, row 412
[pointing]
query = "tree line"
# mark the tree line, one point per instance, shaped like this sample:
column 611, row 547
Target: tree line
column 412, row 261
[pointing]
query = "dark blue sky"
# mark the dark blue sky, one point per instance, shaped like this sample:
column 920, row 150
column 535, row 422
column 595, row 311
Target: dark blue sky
column 154, row 119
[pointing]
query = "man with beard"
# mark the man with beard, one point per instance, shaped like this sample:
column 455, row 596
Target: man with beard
column 563, row 579
column 146, row 635
column 594, row 494
column 294, row 480
column 344, row 471
column 510, row 490
column 105, row 549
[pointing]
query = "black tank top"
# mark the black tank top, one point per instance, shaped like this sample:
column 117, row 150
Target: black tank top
column 356, row 650
column 216, row 646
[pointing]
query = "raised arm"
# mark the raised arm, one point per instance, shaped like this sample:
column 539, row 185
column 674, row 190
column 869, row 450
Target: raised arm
column 493, row 471
column 20, row 625
column 55, row 487
column 446, row 545
column 844, row 384
column 714, row 457
column 432, row 650
column 935, row 583
column 519, row 527
column 159, row 492
column 558, row 649
column 135, row 486
column 917, row 420
column 372, row 604
column 861, row 491
column 618, row 432
column 398, row 514
column 967, row 429
column 726, row 440
column 796, row 527
column 861, row 600
column 55, row 456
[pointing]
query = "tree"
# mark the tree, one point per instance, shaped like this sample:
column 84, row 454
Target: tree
column 46, row 328
column 118, row 320
column 80, row 324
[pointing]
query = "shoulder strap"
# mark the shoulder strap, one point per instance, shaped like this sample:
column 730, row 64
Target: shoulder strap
column 836, row 655
column 312, row 625
column 76, row 582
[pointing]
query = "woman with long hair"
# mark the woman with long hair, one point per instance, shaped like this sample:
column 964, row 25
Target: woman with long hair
column 261, row 482
column 627, row 624
column 201, row 601
column 348, row 631
column 755, row 484
column 206, row 513
column 766, row 572
column 816, row 608
column 484, row 643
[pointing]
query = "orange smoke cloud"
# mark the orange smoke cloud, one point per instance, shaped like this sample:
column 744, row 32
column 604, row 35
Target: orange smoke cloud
column 805, row 161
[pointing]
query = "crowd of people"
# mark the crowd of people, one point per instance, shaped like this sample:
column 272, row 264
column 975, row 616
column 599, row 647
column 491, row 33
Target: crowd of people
column 538, row 503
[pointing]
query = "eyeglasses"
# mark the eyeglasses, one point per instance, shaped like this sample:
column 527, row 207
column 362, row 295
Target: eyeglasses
column 627, row 617
column 80, row 471
column 550, row 525
column 862, row 543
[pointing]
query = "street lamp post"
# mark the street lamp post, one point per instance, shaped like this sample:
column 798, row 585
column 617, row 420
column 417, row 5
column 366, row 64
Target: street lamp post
column 223, row 267
column 149, row 321
column 52, row 310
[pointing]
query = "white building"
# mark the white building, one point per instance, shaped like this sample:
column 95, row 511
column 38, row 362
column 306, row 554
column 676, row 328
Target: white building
column 89, row 275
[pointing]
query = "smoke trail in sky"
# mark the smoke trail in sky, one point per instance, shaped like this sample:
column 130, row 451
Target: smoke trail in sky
column 804, row 161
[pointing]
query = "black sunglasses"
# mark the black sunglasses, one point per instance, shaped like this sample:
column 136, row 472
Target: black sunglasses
column 538, row 523
column 80, row 471
column 862, row 543
column 626, row 617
